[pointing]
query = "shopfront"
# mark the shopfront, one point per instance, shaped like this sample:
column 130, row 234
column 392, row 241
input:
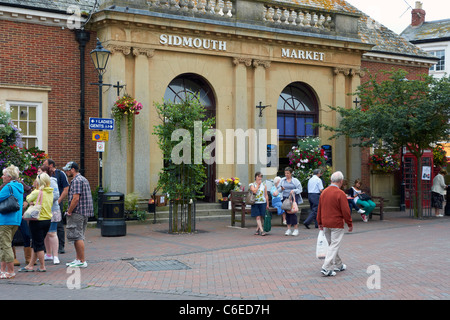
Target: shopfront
column 296, row 61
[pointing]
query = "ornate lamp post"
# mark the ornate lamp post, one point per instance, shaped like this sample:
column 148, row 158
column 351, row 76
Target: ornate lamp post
column 100, row 57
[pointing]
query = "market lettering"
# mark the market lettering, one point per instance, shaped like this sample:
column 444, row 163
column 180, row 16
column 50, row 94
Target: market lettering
column 302, row 54
column 190, row 42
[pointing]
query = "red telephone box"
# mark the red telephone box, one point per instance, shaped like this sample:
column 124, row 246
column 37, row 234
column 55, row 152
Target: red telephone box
column 411, row 178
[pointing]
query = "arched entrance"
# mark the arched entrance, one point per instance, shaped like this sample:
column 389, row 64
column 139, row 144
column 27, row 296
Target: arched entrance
column 188, row 86
column 297, row 110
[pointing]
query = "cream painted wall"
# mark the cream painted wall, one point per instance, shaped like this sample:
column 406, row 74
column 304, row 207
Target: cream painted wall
column 249, row 71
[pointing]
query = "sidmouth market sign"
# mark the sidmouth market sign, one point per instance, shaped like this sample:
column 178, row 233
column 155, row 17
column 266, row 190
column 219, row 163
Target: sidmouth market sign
column 189, row 42
column 302, row 54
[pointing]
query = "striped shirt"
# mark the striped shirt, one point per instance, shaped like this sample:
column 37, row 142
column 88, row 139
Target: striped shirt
column 80, row 185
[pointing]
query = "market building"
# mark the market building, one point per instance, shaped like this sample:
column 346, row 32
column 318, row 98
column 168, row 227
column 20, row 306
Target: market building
column 293, row 57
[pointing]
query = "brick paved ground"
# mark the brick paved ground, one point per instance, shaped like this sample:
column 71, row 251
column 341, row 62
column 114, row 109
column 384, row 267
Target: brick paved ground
column 231, row 263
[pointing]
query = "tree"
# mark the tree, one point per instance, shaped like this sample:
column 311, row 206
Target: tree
column 399, row 113
column 180, row 138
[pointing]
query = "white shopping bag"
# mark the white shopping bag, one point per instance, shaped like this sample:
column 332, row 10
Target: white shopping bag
column 322, row 245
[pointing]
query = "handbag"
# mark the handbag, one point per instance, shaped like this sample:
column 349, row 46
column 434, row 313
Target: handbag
column 34, row 211
column 287, row 204
column 294, row 209
column 364, row 197
column 250, row 198
column 268, row 221
column 322, row 245
column 10, row 204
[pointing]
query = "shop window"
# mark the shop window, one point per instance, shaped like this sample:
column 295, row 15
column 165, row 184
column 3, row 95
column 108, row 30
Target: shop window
column 297, row 111
column 27, row 117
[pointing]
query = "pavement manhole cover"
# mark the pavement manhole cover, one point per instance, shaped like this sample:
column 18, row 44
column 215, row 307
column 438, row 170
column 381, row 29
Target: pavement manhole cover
column 159, row 265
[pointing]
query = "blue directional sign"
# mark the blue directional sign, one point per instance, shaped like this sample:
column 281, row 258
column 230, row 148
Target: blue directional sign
column 101, row 124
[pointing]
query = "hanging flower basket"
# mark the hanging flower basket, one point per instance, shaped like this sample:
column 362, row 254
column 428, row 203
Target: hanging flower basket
column 383, row 162
column 125, row 107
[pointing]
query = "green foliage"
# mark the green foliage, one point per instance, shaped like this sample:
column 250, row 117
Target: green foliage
column 12, row 152
column 131, row 201
column 184, row 174
column 307, row 156
column 398, row 112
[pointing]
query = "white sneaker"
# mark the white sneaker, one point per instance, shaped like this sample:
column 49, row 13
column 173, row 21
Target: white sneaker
column 74, row 261
column 295, row 233
column 288, row 232
column 328, row 273
column 78, row 264
column 56, row 260
column 48, row 257
column 342, row 268
column 361, row 211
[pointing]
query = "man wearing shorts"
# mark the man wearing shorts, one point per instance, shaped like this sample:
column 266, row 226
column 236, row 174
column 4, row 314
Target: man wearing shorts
column 80, row 209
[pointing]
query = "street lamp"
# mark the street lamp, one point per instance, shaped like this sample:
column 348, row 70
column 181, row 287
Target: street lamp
column 100, row 57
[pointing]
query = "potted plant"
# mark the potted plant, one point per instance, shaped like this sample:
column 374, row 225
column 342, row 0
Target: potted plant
column 225, row 186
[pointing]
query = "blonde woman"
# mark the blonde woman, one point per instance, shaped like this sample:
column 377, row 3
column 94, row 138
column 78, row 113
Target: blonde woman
column 39, row 228
column 9, row 222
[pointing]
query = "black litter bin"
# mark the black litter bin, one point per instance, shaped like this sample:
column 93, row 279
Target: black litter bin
column 113, row 224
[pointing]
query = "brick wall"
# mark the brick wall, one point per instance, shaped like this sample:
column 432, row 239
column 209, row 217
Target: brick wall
column 33, row 54
column 374, row 68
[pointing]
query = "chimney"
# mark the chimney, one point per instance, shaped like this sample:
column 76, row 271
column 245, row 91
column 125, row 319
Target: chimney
column 418, row 15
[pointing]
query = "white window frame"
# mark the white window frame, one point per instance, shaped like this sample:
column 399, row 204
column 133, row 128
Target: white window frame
column 433, row 67
column 39, row 120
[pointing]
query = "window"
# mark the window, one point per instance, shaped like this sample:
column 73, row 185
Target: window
column 297, row 111
column 440, row 66
column 27, row 117
column 188, row 85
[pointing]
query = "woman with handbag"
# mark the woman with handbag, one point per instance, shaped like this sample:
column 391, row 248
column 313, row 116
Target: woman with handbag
column 51, row 240
column 362, row 199
column 43, row 194
column 261, row 204
column 291, row 188
column 9, row 220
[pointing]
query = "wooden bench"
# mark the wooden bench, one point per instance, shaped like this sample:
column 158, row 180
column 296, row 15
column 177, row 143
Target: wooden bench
column 379, row 203
column 239, row 208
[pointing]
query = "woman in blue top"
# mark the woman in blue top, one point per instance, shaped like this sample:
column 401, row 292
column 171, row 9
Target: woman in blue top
column 9, row 222
column 276, row 195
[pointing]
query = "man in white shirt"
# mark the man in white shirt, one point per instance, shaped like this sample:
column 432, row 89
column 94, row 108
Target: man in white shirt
column 315, row 188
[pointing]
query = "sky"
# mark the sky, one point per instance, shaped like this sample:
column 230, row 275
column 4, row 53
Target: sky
column 396, row 14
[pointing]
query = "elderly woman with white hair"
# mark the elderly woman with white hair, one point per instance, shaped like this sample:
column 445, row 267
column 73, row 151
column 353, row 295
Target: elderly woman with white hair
column 9, row 221
column 276, row 195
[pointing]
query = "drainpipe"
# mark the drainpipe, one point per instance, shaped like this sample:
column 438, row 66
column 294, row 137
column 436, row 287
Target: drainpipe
column 82, row 36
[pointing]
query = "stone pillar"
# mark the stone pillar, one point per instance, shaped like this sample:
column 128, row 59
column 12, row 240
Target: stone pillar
column 115, row 160
column 339, row 99
column 142, row 123
column 241, row 116
column 354, row 159
column 259, row 93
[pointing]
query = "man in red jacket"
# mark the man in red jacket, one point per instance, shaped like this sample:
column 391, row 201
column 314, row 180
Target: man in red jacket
column 332, row 212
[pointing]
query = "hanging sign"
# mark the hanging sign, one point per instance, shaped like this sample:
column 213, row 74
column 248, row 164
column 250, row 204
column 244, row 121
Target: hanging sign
column 100, row 146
